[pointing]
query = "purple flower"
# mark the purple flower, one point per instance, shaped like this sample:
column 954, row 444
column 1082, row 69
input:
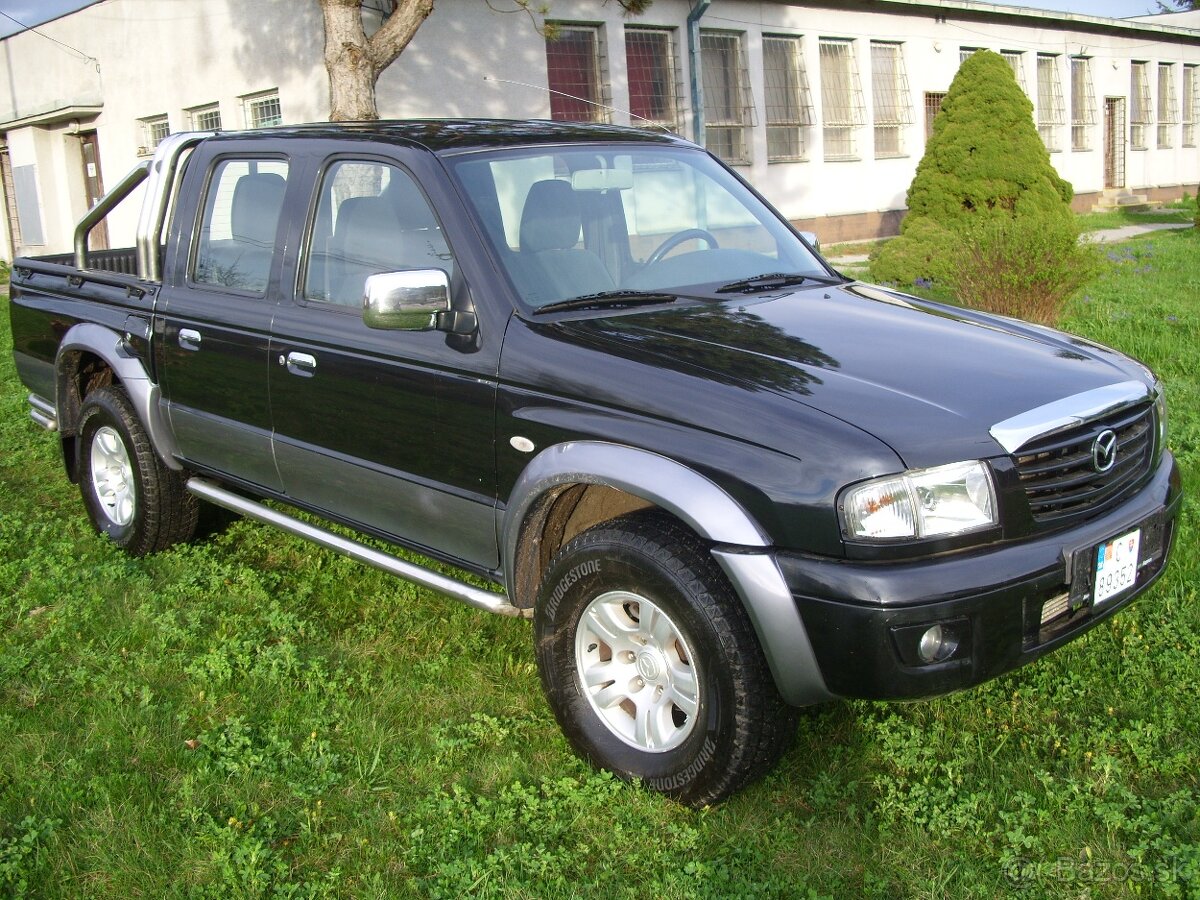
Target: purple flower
column 923, row 283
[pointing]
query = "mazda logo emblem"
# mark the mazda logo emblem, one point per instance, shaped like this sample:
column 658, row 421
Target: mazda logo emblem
column 1104, row 450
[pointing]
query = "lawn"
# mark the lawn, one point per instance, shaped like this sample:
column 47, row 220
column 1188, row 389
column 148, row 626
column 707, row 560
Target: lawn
column 250, row 716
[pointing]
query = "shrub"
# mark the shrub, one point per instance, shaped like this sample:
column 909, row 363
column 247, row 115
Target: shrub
column 985, row 169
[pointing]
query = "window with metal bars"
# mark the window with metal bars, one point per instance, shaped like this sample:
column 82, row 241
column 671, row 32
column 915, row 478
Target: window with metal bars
column 788, row 100
column 1050, row 100
column 1141, row 108
column 653, row 75
column 1016, row 59
column 205, row 118
column 1168, row 107
column 890, row 98
column 965, row 53
column 573, row 70
column 728, row 109
column 842, row 108
column 1083, row 103
column 1191, row 104
column 933, row 106
column 263, row 110
column 153, row 129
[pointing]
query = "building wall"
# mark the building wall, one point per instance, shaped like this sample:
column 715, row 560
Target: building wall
column 141, row 58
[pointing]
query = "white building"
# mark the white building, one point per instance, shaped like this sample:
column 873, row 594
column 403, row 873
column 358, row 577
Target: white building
column 823, row 105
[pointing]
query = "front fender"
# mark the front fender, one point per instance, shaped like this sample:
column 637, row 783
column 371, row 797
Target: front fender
column 742, row 551
column 110, row 346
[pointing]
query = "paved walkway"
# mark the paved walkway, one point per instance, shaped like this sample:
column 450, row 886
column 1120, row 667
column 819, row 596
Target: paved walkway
column 1105, row 236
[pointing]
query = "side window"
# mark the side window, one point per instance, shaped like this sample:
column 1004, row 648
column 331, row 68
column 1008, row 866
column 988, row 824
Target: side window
column 371, row 217
column 237, row 231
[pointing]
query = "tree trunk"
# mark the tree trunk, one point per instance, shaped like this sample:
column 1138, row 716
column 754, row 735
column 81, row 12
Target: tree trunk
column 354, row 62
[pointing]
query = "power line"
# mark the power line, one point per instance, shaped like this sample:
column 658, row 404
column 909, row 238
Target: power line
column 85, row 57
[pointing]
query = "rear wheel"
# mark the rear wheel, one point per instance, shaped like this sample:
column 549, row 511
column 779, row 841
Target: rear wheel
column 130, row 496
column 651, row 664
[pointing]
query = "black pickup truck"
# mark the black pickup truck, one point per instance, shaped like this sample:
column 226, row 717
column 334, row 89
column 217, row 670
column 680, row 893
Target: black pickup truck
column 593, row 366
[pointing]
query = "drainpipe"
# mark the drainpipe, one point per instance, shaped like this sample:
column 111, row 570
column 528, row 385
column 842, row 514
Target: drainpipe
column 699, row 8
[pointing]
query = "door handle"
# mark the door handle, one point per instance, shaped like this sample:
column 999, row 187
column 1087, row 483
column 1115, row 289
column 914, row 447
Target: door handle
column 303, row 364
column 189, row 339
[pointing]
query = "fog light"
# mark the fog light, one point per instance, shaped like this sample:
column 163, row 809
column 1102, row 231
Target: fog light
column 937, row 644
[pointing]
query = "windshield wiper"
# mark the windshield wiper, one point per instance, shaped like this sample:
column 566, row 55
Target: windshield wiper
column 607, row 300
column 771, row 281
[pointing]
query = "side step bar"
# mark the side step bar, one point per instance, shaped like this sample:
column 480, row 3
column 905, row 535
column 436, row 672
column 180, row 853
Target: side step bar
column 251, row 509
column 43, row 412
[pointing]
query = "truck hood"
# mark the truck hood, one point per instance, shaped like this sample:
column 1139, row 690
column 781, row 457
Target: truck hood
column 928, row 380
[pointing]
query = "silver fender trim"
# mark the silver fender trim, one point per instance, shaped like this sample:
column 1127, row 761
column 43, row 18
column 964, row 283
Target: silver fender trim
column 110, row 347
column 711, row 513
column 757, row 579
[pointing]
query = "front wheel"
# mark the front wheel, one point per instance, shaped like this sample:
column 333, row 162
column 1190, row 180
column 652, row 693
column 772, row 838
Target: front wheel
column 651, row 664
column 130, row 496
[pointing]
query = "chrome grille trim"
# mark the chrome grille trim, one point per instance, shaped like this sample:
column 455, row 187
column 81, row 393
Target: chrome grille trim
column 1014, row 433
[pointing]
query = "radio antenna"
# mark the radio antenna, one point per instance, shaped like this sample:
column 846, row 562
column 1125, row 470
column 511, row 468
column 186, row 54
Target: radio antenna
column 538, row 87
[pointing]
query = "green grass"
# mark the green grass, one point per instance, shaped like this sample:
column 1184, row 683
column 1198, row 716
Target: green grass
column 1181, row 213
column 252, row 717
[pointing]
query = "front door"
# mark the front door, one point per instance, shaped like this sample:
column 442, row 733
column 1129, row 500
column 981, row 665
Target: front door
column 388, row 429
column 1114, row 142
column 215, row 317
column 94, row 184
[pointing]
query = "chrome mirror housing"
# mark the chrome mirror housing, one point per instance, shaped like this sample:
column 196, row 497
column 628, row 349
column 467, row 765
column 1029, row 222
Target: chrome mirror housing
column 406, row 301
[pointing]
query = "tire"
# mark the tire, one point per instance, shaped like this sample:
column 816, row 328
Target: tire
column 651, row 664
column 130, row 496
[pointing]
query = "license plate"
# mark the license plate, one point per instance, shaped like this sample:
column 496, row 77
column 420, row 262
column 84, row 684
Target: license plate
column 1116, row 566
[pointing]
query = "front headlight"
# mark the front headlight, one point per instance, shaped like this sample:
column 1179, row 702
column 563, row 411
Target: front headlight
column 921, row 503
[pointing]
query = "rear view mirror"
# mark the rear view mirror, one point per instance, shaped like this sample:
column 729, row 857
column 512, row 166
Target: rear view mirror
column 406, row 301
column 602, row 179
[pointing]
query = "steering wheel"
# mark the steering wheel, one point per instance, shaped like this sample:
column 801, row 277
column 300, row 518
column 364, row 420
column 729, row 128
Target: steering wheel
column 688, row 234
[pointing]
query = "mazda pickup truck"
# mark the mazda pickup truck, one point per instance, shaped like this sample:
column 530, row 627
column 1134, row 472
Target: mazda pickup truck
column 593, row 366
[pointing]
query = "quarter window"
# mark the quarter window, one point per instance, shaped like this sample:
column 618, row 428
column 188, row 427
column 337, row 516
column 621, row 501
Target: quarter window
column 371, row 218
column 236, row 239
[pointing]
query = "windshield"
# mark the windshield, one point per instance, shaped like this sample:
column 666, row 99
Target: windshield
column 576, row 221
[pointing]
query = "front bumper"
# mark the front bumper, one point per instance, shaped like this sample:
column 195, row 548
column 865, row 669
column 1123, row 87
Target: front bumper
column 861, row 618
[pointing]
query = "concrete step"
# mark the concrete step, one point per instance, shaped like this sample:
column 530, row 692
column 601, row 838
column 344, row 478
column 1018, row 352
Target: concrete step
column 1120, row 199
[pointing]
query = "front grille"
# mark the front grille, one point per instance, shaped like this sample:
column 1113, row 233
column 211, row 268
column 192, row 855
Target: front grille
column 1060, row 478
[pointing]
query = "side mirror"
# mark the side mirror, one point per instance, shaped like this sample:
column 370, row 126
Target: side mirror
column 811, row 237
column 406, row 301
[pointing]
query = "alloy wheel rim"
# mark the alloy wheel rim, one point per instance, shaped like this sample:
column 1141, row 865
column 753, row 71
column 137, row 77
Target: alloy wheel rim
column 112, row 476
column 637, row 671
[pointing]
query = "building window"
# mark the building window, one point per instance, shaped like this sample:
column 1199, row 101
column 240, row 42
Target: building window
column 965, row 53
column 650, row 64
column 841, row 98
column 789, row 102
column 1016, row 59
column 890, row 98
column 152, row 130
column 1141, row 111
column 933, row 106
column 1191, row 104
column 727, row 104
column 205, row 118
column 262, row 110
column 1050, row 100
column 1168, row 107
column 573, row 71
column 1083, row 103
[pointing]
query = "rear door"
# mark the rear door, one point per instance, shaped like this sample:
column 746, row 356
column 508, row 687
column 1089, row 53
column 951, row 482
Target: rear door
column 216, row 308
column 391, row 430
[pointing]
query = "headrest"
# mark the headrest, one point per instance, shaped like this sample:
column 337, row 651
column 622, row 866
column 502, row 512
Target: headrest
column 254, row 211
column 551, row 219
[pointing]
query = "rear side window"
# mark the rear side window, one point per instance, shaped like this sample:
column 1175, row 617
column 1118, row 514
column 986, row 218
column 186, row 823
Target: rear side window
column 371, row 218
column 236, row 240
